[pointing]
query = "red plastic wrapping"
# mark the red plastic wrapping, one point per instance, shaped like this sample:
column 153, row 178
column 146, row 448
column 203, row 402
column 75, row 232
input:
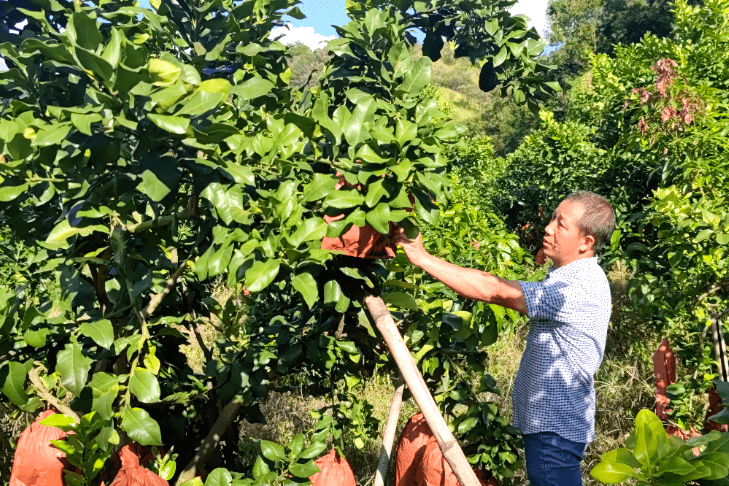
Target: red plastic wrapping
column 334, row 471
column 410, row 448
column 37, row 462
column 132, row 473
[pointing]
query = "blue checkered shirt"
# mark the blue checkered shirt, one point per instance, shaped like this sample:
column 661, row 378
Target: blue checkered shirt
column 569, row 312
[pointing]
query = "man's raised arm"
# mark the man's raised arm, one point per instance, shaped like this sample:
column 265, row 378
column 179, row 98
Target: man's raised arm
column 468, row 282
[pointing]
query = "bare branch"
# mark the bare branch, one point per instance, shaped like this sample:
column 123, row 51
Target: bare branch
column 157, row 299
column 43, row 393
column 163, row 221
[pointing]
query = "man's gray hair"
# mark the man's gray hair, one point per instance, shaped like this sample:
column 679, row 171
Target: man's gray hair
column 598, row 219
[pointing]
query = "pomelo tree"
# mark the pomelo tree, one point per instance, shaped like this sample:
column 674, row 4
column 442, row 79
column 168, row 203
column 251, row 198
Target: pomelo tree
column 152, row 153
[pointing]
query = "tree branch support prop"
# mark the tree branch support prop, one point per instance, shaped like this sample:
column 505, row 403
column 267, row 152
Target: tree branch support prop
column 388, row 437
column 414, row 380
column 227, row 416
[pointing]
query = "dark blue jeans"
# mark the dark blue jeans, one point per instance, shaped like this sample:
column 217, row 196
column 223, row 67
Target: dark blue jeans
column 552, row 460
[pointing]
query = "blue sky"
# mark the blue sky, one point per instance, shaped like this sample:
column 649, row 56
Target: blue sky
column 322, row 14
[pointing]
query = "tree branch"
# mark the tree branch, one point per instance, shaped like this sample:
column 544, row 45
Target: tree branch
column 43, row 393
column 156, row 300
column 227, row 416
column 163, row 221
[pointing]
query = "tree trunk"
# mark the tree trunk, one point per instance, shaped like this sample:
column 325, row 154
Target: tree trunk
column 414, row 380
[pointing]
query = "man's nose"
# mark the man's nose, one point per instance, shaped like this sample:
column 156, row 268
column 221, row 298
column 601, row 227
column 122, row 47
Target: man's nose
column 548, row 229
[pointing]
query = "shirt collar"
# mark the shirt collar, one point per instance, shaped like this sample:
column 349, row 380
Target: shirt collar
column 570, row 267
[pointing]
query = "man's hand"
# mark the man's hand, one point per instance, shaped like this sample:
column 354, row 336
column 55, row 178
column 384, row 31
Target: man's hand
column 414, row 249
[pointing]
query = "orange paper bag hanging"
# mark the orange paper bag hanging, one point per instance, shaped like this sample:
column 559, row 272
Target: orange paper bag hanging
column 361, row 242
column 334, row 471
column 114, row 464
column 434, row 470
column 37, row 462
column 132, row 473
column 410, row 449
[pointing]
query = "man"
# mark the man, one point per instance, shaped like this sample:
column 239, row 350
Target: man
column 569, row 311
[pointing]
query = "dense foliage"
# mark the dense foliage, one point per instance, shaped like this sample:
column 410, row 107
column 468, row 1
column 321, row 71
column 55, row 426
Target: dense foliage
column 151, row 153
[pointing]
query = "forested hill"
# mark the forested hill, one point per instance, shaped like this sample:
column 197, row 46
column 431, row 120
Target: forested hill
column 578, row 28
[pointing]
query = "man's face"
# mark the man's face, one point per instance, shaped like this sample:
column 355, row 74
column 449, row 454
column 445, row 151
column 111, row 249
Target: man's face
column 563, row 242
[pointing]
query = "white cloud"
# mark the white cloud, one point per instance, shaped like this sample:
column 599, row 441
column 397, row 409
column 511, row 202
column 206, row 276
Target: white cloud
column 536, row 10
column 305, row 35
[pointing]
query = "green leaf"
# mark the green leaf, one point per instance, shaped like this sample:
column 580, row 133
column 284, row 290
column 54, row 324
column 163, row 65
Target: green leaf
column 675, row 465
column 260, row 468
column 145, row 386
column 401, row 300
column 59, row 421
column 219, row 477
column 354, row 129
column 37, row 339
column 272, row 451
column 306, row 285
column 102, row 332
column 261, row 274
column 253, row 88
column 343, row 199
column 201, row 102
column 172, row 124
column 310, row 230
column 52, row 135
column 83, row 122
column 12, row 378
column 304, row 470
column 152, row 186
column 319, row 187
column 465, row 426
column 73, row 367
column 228, row 203
column 163, row 73
column 379, row 218
column 141, row 427
column 651, row 440
column 7, row 194
column 703, row 235
column 94, row 63
column 418, row 78
column 59, row 235
column 112, row 52
column 612, row 472
column 313, row 451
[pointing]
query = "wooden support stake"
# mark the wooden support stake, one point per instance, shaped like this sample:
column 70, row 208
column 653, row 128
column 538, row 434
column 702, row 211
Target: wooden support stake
column 388, row 437
column 414, row 380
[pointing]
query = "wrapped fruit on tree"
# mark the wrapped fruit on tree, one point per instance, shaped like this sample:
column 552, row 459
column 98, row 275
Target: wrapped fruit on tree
column 150, row 152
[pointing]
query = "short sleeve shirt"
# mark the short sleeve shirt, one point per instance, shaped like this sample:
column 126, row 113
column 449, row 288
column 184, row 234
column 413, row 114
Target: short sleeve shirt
column 568, row 312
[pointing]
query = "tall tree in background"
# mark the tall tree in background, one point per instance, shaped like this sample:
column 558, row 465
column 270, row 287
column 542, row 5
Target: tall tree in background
column 595, row 26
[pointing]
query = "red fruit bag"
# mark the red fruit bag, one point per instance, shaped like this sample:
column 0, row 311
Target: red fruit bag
column 37, row 462
column 334, row 471
column 434, row 470
column 132, row 473
column 410, row 449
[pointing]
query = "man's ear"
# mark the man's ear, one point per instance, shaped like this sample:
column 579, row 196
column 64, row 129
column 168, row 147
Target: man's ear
column 588, row 244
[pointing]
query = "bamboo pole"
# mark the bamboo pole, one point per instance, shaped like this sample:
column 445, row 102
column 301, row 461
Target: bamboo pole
column 388, row 437
column 414, row 380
